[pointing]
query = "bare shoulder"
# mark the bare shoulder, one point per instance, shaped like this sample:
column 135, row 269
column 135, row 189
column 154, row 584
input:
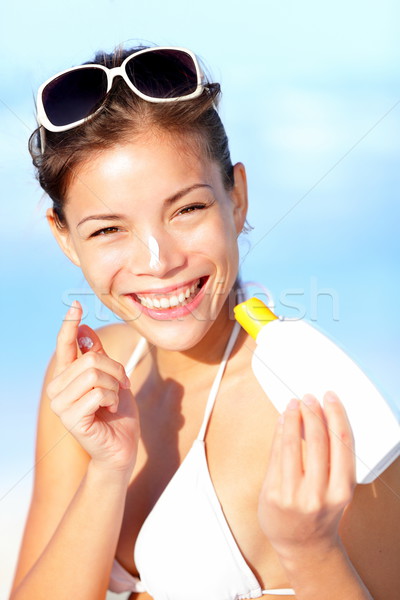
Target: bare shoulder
column 370, row 531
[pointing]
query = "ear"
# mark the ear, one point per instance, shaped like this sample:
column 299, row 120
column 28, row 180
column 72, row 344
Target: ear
column 63, row 237
column 239, row 196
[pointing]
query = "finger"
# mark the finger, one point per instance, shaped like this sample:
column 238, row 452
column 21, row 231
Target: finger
column 88, row 362
column 342, row 467
column 317, row 444
column 97, row 399
column 81, row 385
column 89, row 340
column 66, row 349
column 292, row 462
column 82, row 414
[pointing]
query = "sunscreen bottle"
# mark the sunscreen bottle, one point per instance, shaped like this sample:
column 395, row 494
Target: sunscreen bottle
column 292, row 359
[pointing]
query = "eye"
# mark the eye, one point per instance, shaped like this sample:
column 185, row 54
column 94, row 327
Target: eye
column 105, row 231
column 191, row 208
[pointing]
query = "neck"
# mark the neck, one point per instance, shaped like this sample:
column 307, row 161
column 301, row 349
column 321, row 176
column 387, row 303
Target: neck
column 208, row 351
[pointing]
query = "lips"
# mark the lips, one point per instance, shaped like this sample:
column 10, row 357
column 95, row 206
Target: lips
column 170, row 299
column 179, row 297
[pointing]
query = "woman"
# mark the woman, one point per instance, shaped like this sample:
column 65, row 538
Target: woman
column 137, row 473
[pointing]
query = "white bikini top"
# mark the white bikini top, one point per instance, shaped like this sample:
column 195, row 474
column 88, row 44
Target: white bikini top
column 185, row 549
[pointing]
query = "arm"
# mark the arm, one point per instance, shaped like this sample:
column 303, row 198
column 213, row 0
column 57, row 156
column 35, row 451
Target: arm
column 307, row 487
column 81, row 479
column 78, row 558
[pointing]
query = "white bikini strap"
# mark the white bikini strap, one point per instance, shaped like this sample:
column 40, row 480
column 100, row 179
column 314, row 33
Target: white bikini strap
column 217, row 381
column 135, row 356
column 279, row 592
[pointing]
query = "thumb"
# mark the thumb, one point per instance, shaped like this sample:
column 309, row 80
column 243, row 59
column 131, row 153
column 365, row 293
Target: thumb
column 88, row 339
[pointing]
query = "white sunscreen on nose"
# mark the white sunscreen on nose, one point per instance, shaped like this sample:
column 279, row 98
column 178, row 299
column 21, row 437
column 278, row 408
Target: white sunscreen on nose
column 154, row 250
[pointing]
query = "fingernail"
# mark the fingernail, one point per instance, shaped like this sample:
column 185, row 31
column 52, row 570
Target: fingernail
column 72, row 308
column 85, row 343
column 293, row 404
column 309, row 400
column 127, row 382
column 331, row 397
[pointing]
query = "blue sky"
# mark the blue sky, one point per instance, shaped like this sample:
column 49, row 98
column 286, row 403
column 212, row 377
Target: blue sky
column 311, row 105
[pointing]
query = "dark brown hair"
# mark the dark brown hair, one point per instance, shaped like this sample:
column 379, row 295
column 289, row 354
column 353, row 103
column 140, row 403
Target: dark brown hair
column 123, row 116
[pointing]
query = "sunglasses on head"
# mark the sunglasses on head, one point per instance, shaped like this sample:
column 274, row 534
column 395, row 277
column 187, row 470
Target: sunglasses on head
column 159, row 74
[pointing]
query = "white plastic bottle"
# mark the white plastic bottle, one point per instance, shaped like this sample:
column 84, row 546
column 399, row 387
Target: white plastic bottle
column 292, row 359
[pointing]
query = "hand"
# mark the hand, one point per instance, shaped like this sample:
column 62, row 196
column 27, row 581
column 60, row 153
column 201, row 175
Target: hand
column 308, row 484
column 90, row 393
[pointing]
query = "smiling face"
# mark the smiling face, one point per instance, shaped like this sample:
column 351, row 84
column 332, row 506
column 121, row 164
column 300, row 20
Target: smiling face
column 154, row 231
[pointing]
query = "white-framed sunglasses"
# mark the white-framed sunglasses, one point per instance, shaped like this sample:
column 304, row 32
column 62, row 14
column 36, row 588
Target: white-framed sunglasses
column 156, row 74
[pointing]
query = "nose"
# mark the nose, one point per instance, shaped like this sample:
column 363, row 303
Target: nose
column 158, row 254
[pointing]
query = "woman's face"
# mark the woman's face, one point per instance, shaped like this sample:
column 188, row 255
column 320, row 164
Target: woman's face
column 155, row 233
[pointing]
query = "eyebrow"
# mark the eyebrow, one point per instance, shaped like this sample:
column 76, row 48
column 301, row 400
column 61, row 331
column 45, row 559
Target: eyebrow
column 168, row 201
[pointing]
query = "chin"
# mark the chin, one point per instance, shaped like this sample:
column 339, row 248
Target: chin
column 180, row 338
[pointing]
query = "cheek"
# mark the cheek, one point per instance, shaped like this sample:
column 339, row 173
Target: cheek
column 100, row 266
column 217, row 241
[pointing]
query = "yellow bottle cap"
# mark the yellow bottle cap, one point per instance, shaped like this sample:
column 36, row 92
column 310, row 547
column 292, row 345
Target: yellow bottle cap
column 252, row 315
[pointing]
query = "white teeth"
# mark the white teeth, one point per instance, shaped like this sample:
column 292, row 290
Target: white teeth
column 164, row 303
column 170, row 301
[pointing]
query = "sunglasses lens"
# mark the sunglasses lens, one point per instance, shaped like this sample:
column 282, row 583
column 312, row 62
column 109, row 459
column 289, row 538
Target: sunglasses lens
column 74, row 95
column 163, row 73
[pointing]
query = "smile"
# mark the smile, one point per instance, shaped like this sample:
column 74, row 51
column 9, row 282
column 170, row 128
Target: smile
column 171, row 298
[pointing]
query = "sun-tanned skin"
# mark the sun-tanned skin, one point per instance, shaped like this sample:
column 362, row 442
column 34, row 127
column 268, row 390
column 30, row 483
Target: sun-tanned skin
column 298, row 524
